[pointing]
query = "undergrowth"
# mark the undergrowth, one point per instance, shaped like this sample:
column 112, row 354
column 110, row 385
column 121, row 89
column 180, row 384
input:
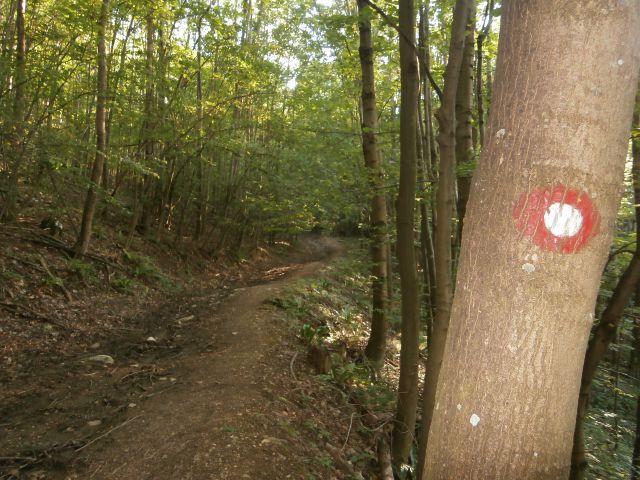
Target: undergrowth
column 144, row 268
column 332, row 311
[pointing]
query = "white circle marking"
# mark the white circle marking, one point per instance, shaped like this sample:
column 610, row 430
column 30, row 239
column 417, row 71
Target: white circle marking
column 563, row 220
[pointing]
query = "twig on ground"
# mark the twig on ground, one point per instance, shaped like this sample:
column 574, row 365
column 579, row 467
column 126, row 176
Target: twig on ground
column 153, row 394
column 56, row 280
column 293, row 359
column 346, row 440
column 26, row 312
column 108, row 432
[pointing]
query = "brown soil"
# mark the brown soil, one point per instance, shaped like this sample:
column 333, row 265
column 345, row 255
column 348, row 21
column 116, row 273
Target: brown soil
column 211, row 385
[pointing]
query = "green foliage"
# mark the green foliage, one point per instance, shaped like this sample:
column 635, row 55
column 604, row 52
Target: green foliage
column 11, row 276
column 144, row 268
column 325, row 461
column 321, row 433
column 610, row 424
column 123, row 284
column 362, row 458
column 464, row 170
column 53, row 281
column 334, row 311
column 314, row 335
column 86, row 271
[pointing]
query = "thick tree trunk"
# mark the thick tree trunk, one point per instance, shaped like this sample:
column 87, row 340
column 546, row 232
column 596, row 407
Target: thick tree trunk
column 8, row 211
column 444, row 197
column 378, row 338
column 539, row 224
column 82, row 244
column 408, row 384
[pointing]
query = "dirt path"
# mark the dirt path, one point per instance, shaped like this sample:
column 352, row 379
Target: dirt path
column 223, row 413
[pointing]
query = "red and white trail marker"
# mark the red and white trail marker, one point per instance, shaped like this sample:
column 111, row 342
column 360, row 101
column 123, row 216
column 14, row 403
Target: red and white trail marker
column 557, row 219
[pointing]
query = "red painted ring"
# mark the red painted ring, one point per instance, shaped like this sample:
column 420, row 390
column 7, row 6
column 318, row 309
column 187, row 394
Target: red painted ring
column 531, row 208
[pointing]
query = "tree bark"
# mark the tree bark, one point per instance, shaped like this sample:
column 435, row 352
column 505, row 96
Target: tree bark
column 444, row 198
column 464, row 121
column 376, row 346
column 526, row 289
column 408, row 383
column 84, row 237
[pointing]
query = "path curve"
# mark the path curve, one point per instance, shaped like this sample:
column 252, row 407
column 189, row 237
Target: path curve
column 217, row 420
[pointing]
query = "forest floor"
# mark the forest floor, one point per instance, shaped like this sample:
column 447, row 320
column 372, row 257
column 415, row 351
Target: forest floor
column 211, row 382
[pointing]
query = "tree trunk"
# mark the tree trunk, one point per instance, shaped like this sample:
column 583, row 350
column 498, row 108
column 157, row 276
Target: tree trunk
column 377, row 340
column 82, row 244
column 9, row 210
column 408, row 384
column 426, row 241
column 605, row 332
column 149, row 125
column 428, row 147
column 425, row 170
column 464, row 122
column 115, row 83
column 482, row 35
column 202, row 191
column 446, row 181
column 539, row 225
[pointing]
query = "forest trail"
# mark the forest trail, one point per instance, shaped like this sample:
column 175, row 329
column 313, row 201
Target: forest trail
column 219, row 417
column 204, row 386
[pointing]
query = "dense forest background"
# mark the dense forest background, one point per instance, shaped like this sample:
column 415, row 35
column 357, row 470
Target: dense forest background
column 215, row 128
